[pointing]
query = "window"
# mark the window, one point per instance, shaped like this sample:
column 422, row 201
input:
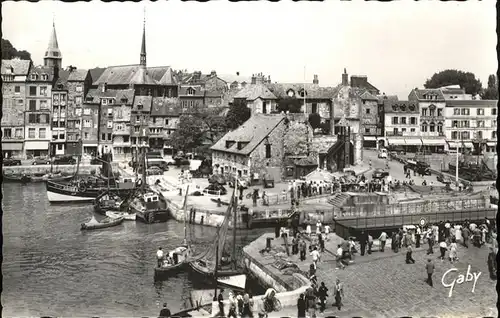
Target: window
column 403, row 120
column 136, row 129
column 42, row 133
column 78, row 100
column 78, row 112
column 86, row 111
column 17, row 89
column 43, row 90
column 456, row 111
column 464, row 124
column 432, row 112
column 79, row 88
column 59, row 147
column 32, row 105
column 103, row 136
column 87, row 123
column 31, row 133
column 190, row 91
column 493, row 135
column 314, row 109
column 403, row 130
column 32, row 90
column 465, row 111
column 268, row 151
column 7, row 133
column 424, row 111
column 44, row 104
column 34, row 77
column 126, row 138
column 440, row 112
column 413, row 120
column 104, row 101
column 367, row 111
column 110, row 102
column 110, row 111
column 412, row 130
column 154, row 120
column 109, row 124
column 367, row 130
column 494, row 111
column 109, row 136
column 45, row 77
column 86, row 136
column 480, row 123
column 480, row 111
column 454, row 124
column 423, row 128
column 432, row 127
column 395, row 131
column 465, row 134
column 440, row 128
column 479, row 135
column 454, row 135
column 395, row 120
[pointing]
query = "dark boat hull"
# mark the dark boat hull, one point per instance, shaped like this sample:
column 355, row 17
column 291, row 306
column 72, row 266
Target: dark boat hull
column 164, row 272
column 152, row 216
column 62, row 193
column 55, row 179
column 16, row 178
column 209, row 273
column 98, row 226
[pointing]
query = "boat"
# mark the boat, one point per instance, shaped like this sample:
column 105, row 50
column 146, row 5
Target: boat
column 51, row 177
column 93, row 224
column 114, row 201
column 207, row 263
column 147, row 204
column 117, row 214
column 16, row 178
column 237, row 282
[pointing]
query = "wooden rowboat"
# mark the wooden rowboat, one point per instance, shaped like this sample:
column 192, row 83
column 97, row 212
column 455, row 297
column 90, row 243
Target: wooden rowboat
column 183, row 252
column 93, row 224
column 117, row 214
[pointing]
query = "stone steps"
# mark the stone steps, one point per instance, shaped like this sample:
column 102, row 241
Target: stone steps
column 338, row 200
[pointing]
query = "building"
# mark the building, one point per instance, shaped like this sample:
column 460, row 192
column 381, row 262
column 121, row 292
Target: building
column 78, row 84
column 252, row 150
column 121, row 111
column 402, row 129
column 139, row 130
column 381, row 115
column 257, row 97
column 431, row 103
column 38, row 111
column 163, row 121
column 14, row 74
column 90, row 122
column 59, row 111
column 471, row 124
column 191, row 97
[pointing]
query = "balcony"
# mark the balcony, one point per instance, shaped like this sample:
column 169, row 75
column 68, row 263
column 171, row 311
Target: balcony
column 121, row 132
column 401, row 134
column 12, row 138
column 431, row 118
column 122, row 144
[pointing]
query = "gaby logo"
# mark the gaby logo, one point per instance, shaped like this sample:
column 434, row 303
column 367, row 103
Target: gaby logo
column 449, row 280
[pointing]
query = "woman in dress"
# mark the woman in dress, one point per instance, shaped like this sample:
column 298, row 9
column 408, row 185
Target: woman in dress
column 453, row 251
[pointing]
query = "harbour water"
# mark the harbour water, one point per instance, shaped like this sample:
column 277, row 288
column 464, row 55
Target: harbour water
column 52, row 268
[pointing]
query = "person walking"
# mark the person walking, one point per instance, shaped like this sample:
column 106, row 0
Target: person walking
column 295, row 245
column 382, row 238
column 315, row 257
column 338, row 294
column 165, row 312
column 429, row 267
column 220, row 301
column 442, row 248
column 247, row 304
column 322, row 295
column 232, row 305
column 430, row 241
column 363, row 240
column 370, row 243
column 395, row 244
column 417, row 237
column 465, row 236
column 302, row 250
column 311, row 302
column 409, row 258
column 453, row 251
column 321, row 242
column 301, row 307
column 339, row 255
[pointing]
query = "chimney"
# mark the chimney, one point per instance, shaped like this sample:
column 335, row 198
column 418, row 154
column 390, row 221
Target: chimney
column 315, row 80
column 345, row 78
column 213, row 74
column 104, row 87
column 254, row 79
column 269, row 79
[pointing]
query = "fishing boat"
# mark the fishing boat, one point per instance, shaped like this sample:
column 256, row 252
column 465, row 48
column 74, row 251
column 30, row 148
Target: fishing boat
column 23, row 178
column 51, row 177
column 147, row 204
column 93, row 224
column 179, row 257
column 115, row 201
column 212, row 263
column 117, row 214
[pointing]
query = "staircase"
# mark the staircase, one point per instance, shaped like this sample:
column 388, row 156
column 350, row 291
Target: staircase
column 339, row 200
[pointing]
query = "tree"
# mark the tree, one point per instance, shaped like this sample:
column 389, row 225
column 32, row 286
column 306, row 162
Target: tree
column 189, row 134
column 491, row 92
column 296, row 139
column 290, row 104
column 10, row 52
column 214, row 124
column 315, row 120
column 466, row 80
column 238, row 114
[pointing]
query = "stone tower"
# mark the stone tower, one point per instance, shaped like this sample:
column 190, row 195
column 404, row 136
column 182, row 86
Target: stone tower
column 53, row 56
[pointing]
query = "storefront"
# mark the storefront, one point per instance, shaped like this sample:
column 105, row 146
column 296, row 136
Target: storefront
column 435, row 145
column 90, row 149
column 36, row 148
column 404, row 144
column 12, row 150
column 370, row 141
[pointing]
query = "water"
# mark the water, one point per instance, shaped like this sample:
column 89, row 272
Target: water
column 52, row 268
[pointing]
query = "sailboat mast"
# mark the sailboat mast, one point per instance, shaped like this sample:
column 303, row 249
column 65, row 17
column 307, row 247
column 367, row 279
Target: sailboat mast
column 216, row 270
column 235, row 207
column 143, row 185
column 185, row 215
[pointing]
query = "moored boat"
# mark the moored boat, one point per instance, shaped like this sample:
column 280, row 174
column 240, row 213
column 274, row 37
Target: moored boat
column 237, row 282
column 176, row 260
column 149, row 208
column 93, row 224
column 117, row 214
column 51, row 177
column 16, row 178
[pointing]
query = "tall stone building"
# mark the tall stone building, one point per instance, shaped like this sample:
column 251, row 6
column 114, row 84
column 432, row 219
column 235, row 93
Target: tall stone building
column 78, row 85
column 59, row 109
column 14, row 73
column 121, row 124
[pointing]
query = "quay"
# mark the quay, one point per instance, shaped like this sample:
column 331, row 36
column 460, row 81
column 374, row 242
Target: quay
column 84, row 169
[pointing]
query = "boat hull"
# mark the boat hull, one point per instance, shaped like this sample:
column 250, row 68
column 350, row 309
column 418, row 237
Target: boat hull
column 151, row 216
column 88, row 227
column 57, row 193
column 165, row 272
column 209, row 273
column 59, row 197
column 126, row 216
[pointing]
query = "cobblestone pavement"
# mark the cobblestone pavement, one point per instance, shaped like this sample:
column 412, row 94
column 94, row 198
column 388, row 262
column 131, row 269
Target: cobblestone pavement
column 386, row 286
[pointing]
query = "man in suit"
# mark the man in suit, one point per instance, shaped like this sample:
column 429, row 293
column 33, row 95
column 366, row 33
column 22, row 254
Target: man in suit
column 338, row 292
column 165, row 312
column 363, row 240
column 430, row 270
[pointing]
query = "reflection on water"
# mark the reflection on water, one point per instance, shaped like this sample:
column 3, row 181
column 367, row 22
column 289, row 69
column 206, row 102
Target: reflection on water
column 50, row 267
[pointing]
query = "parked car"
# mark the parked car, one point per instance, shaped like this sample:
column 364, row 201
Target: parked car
column 242, row 183
column 382, row 153
column 153, row 171
column 11, row 162
column 215, row 189
column 444, row 179
column 41, row 161
column 64, row 160
column 379, row 174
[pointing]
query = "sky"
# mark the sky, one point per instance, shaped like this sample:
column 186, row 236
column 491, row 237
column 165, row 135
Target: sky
column 397, row 45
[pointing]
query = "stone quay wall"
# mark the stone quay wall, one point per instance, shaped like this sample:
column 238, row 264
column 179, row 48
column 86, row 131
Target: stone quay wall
column 69, row 169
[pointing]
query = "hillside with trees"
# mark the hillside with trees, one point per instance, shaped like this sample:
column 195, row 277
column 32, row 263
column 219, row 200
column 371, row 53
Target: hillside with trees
column 10, row 52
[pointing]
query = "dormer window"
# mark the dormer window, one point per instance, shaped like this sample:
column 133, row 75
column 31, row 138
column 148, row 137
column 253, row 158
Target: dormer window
column 403, row 107
column 104, row 101
column 59, row 86
column 229, row 143
column 303, row 93
column 290, row 93
column 139, row 106
column 45, row 77
column 89, row 99
column 394, row 107
column 190, row 91
column 124, row 100
column 34, row 77
column 242, row 144
column 110, row 102
column 411, row 108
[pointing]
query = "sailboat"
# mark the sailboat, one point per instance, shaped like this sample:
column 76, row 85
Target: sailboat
column 207, row 263
column 147, row 204
column 178, row 258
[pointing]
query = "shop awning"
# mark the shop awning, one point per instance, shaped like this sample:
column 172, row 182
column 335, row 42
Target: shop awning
column 404, row 142
column 16, row 146
column 370, row 138
column 460, row 145
column 36, row 145
column 434, row 142
column 491, row 143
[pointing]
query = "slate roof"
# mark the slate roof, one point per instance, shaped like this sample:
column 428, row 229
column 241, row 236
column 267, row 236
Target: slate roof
column 94, row 94
column 41, row 70
column 78, row 75
column 61, row 80
column 125, row 93
column 165, row 106
column 472, row 103
column 252, row 92
column 127, row 74
column 253, row 131
column 365, row 95
column 382, row 98
column 95, row 73
column 20, row 67
column 198, row 91
column 231, row 78
column 118, row 94
column 419, row 93
column 388, row 106
column 313, row 91
column 145, row 101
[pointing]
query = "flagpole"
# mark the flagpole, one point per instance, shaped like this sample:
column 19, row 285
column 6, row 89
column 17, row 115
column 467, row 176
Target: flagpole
column 305, row 105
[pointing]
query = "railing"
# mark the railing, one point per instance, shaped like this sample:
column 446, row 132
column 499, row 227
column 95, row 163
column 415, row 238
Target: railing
column 12, row 138
column 428, row 117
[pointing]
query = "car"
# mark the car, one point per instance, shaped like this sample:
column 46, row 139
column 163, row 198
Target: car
column 242, row 183
column 215, row 189
column 40, row 161
column 153, row 171
column 379, row 174
column 11, row 162
column 382, row 153
column 444, row 179
column 64, row 160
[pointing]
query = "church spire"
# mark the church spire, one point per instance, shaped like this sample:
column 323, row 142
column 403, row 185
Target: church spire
column 53, row 55
column 143, row 46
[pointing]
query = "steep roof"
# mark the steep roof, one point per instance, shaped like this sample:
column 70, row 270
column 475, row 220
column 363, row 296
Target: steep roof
column 127, row 94
column 165, row 106
column 365, row 95
column 401, row 106
column 41, row 70
column 53, row 47
column 198, row 90
column 254, row 91
column 142, row 77
column 95, row 73
column 145, row 101
column 253, row 131
column 118, row 94
column 17, row 66
column 313, row 91
column 382, row 98
column 127, row 74
column 231, row 78
column 78, row 75
column 472, row 103
column 62, row 81
column 420, row 94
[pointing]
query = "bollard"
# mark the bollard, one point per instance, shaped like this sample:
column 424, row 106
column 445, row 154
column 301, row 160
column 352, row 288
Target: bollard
column 202, row 218
column 268, row 243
